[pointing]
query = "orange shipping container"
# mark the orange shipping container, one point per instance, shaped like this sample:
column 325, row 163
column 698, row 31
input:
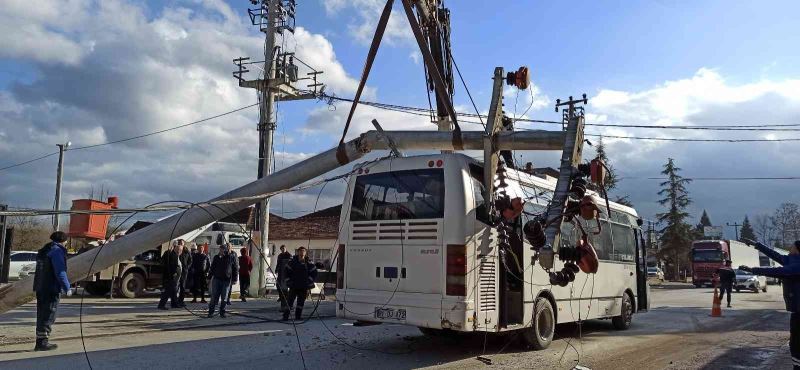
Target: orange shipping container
column 92, row 226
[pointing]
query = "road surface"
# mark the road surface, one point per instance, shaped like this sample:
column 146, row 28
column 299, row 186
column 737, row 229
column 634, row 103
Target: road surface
column 677, row 333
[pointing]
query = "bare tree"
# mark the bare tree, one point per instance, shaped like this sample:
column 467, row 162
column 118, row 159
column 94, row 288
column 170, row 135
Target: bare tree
column 786, row 222
column 30, row 233
column 764, row 228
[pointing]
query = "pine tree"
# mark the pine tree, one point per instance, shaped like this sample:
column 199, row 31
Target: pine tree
column 700, row 229
column 611, row 176
column 747, row 231
column 677, row 235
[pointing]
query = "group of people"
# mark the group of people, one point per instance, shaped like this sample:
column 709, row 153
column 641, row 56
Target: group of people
column 184, row 268
column 193, row 270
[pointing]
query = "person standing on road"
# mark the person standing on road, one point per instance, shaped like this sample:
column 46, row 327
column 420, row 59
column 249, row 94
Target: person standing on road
column 186, row 263
column 171, row 277
column 727, row 277
column 789, row 273
column 50, row 280
column 198, row 273
column 221, row 274
column 235, row 273
column 300, row 273
column 283, row 259
column 245, row 266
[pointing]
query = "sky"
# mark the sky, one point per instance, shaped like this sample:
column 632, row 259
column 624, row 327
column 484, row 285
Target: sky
column 94, row 71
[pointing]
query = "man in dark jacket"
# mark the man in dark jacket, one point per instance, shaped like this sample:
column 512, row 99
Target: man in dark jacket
column 171, row 277
column 727, row 277
column 50, row 280
column 235, row 258
column 222, row 277
column 300, row 273
column 199, row 271
column 280, row 266
column 186, row 263
column 245, row 266
column 790, row 274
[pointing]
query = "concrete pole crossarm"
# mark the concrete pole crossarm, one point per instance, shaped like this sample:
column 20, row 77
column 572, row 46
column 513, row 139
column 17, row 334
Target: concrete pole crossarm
column 473, row 140
column 162, row 231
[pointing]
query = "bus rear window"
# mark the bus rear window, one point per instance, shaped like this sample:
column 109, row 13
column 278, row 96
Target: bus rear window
column 399, row 195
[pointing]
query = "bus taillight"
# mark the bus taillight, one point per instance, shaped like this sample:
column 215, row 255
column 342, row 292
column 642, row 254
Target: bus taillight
column 456, row 270
column 340, row 267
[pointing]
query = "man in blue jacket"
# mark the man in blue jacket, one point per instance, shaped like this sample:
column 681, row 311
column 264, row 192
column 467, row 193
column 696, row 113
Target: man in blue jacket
column 789, row 273
column 49, row 282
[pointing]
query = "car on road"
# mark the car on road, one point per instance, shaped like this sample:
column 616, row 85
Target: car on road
column 18, row 260
column 655, row 273
column 746, row 280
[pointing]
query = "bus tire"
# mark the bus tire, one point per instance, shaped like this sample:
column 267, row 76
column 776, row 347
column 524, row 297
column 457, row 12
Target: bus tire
column 540, row 335
column 623, row 321
column 132, row 285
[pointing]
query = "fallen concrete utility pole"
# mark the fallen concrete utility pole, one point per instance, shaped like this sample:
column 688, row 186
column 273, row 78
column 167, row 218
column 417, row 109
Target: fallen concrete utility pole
column 90, row 262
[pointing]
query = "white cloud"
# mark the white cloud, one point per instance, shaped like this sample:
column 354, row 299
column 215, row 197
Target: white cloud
column 140, row 74
column 706, row 98
column 363, row 18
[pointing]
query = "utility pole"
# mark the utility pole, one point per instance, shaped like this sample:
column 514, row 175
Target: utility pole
column 435, row 23
column 59, row 176
column 273, row 17
column 3, row 226
column 736, row 227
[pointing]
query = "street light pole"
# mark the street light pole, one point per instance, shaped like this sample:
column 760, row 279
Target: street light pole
column 59, row 176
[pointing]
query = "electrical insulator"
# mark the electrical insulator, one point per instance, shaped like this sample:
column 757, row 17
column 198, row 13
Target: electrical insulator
column 534, row 232
column 597, row 172
column 521, row 78
column 589, row 210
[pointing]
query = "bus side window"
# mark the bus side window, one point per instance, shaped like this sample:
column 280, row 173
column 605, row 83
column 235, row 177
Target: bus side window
column 624, row 243
column 476, row 174
column 602, row 242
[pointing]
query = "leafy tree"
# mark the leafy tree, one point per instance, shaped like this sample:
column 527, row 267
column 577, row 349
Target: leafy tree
column 677, row 235
column 747, row 230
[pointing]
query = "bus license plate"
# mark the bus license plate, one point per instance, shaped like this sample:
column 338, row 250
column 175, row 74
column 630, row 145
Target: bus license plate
column 390, row 313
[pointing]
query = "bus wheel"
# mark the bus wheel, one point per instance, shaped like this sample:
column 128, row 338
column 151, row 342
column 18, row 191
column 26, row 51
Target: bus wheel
column 623, row 321
column 540, row 335
column 132, row 285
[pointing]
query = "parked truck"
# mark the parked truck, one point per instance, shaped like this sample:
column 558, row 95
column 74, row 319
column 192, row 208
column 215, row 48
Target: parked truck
column 137, row 274
column 707, row 257
column 710, row 255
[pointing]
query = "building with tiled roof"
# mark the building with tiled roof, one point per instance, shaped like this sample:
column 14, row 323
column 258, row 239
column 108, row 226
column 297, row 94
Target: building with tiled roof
column 316, row 231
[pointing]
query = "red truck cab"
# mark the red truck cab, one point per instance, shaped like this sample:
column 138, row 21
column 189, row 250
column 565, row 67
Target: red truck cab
column 707, row 257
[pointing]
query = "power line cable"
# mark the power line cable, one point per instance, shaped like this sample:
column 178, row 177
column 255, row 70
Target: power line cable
column 693, row 140
column 133, row 137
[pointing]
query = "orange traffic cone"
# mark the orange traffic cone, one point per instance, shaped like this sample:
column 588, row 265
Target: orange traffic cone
column 716, row 309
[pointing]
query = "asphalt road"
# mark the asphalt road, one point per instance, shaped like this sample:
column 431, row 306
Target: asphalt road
column 677, row 333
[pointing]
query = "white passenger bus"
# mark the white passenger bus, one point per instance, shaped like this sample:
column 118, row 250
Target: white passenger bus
column 414, row 249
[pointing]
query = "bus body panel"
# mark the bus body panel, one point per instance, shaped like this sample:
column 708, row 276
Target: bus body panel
column 419, row 298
